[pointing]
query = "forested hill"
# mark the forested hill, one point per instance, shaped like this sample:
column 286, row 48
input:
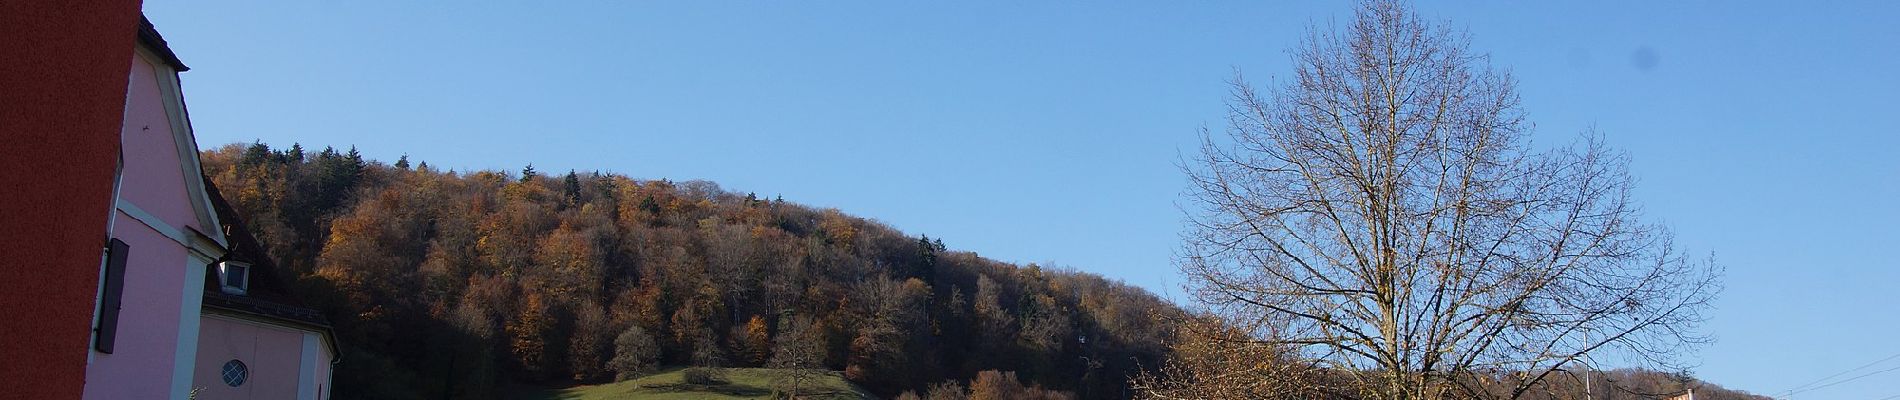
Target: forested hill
column 446, row 284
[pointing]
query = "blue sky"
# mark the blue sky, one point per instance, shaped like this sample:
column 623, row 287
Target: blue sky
column 1762, row 132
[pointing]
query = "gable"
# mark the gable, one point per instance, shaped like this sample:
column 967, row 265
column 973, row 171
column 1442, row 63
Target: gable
column 160, row 174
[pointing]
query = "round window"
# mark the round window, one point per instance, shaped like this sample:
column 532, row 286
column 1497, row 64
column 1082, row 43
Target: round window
column 235, row 373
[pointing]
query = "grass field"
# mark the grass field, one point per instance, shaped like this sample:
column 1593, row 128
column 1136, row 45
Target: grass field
column 744, row 383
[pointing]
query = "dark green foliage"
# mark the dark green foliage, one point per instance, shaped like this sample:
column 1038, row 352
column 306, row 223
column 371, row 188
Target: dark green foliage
column 256, row 153
column 926, row 267
column 704, row 376
column 647, row 204
column 571, row 187
column 445, row 284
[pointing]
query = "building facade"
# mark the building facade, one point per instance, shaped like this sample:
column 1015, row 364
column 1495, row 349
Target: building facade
column 255, row 339
column 119, row 258
column 163, row 235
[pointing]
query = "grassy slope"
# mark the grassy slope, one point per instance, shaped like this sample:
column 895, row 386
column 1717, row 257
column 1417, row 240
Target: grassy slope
column 746, row 383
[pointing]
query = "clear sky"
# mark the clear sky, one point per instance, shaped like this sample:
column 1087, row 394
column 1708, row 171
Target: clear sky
column 1763, row 132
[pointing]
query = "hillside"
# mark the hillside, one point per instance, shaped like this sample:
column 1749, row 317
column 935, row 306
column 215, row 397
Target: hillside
column 745, row 383
column 443, row 283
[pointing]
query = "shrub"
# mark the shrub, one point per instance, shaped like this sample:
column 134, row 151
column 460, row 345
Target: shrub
column 705, row 376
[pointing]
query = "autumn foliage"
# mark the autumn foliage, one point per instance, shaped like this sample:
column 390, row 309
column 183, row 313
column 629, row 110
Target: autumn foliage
column 442, row 284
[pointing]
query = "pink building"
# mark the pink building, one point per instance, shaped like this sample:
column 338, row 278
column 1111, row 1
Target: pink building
column 163, row 234
column 254, row 340
column 178, row 311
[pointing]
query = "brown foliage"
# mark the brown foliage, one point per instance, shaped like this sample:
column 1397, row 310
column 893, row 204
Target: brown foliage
column 755, row 342
column 537, row 278
column 1002, row 385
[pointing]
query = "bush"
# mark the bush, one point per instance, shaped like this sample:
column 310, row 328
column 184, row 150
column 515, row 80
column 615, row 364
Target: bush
column 705, row 376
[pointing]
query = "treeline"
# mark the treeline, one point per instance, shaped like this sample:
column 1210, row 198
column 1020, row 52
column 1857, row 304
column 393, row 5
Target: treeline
column 446, row 284
column 1213, row 359
column 1637, row 384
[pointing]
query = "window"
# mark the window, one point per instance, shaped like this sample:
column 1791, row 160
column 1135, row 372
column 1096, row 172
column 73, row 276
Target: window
column 235, row 373
column 234, row 276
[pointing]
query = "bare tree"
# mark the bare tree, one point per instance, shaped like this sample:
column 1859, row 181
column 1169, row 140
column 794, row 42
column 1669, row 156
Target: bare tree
column 636, row 353
column 1384, row 214
column 800, row 353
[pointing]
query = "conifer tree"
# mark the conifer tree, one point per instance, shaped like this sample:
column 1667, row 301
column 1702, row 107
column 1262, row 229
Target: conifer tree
column 571, row 187
column 356, row 161
column 926, row 260
column 255, row 155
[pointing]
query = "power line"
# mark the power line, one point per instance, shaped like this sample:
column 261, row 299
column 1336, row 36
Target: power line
column 1805, row 387
column 1845, row 380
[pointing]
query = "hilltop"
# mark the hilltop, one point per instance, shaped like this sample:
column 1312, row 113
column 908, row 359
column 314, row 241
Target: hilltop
column 442, row 283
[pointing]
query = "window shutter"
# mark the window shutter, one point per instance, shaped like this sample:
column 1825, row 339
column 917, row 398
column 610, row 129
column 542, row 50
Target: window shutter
column 116, row 253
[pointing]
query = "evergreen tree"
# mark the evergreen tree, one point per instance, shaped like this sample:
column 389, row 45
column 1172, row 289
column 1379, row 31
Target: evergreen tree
column 403, row 162
column 572, row 187
column 356, row 161
column 605, row 187
column 647, row 204
column 528, row 174
column 926, row 260
column 256, row 154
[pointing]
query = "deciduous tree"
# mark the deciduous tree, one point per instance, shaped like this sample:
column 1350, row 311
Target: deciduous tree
column 755, row 342
column 635, row 353
column 1385, row 212
column 799, row 351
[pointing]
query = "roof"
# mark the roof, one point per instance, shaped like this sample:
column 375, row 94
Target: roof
column 148, row 36
column 261, row 308
column 266, row 297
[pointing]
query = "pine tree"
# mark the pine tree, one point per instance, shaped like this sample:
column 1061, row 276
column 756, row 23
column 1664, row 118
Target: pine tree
column 528, row 174
column 403, row 162
column 651, row 207
column 926, row 260
column 356, row 161
column 255, row 154
column 572, row 187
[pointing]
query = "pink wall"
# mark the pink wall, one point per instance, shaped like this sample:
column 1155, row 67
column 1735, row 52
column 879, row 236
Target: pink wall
column 153, row 178
column 273, row 354
column 155, row 274
column 146, row 349
column 323, row 372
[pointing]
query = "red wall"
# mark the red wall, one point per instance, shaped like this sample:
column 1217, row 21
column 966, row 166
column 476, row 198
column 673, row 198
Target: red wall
column 63, row 68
